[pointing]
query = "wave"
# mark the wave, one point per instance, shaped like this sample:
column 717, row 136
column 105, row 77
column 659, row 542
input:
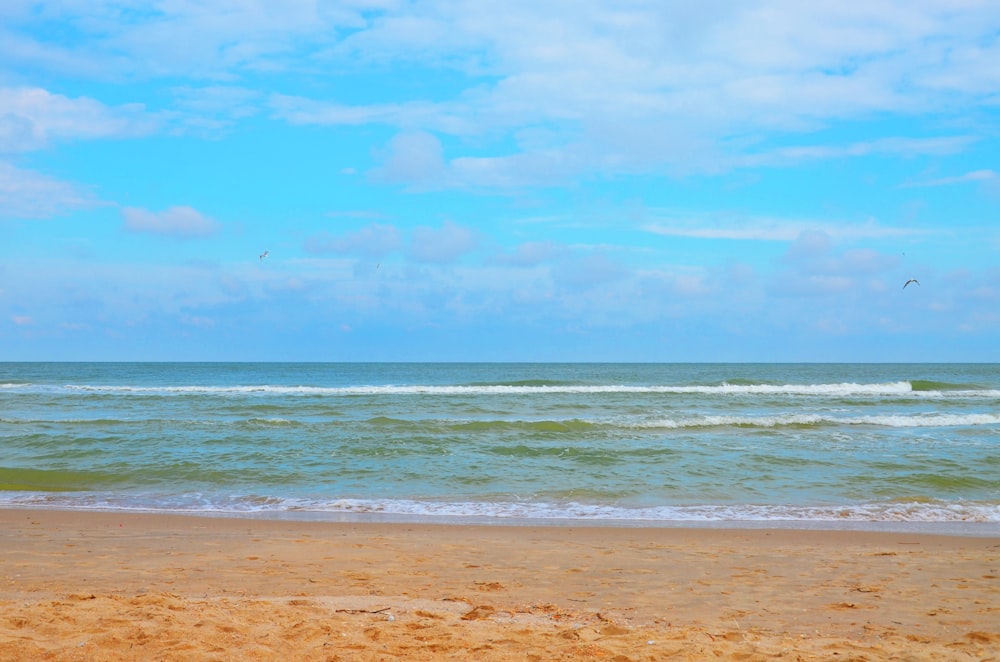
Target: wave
column 279, row 422
column 790, row 420
column 844, row 389
column 917, row 511
column 139, row 422
column 524, row 382
column 572, row 425
column 808, row 420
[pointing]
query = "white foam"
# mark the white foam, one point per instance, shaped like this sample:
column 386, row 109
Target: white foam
column 924, row 420
column 891, row 420
column 272, row 421
column 847, row 389
column 892, row 511
column 928, row 420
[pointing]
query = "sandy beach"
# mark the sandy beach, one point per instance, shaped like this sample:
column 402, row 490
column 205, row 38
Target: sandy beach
column 109, row 586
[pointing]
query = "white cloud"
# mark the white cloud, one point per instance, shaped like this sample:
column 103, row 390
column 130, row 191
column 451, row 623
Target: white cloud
column 141, row 39
column 973, row 176
column 691, row 285
column 32, row 118
column 861, row 261
column 588, row 271
column 812, row 266
column 29, row 194
column 197, row 321
column 218, row 99
column 540, row 168
column 357, row 213
column 33, row 53
column 779, row 232
column 904, row 147
column 809, row 246
column 298, row 110
column 416, row 159
column 529, row 254
column 443, row 245
column 537, row 92
column 181, row 222
column 812, row 285
column 767, row 228
column 372, row 241
column 213, row 108
column 668, row 87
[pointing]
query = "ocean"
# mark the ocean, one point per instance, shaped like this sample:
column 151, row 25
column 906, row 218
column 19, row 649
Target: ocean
column 802, row 445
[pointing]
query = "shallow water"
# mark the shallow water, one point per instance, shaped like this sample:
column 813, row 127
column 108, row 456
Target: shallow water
column 651, row 444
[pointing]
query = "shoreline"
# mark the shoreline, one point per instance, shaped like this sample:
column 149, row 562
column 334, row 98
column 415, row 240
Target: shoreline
column 975, row 529
column 195, row 587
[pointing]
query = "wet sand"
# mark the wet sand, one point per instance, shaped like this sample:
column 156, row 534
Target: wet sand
column 108, row 586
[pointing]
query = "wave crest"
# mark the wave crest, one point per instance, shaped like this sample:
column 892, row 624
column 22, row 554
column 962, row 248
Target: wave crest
column 844, row 389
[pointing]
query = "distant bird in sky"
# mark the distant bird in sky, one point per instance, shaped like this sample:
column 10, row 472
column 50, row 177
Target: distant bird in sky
column 912, row 280
column 263, row 255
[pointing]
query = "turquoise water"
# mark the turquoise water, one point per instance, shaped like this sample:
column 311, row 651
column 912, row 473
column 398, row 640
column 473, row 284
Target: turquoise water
column 638, row 443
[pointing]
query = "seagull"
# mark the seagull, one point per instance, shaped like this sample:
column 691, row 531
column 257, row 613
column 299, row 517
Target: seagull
column 912, row 280
column 263, row 255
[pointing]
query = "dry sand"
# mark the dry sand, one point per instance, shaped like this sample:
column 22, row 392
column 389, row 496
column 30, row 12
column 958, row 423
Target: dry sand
column 107, row 586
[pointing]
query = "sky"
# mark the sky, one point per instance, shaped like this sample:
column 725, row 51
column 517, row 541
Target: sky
column 455, row 180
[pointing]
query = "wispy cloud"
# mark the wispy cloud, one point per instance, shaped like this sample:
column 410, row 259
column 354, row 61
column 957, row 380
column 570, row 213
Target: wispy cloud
column 898, row 146
column 299, row 110
column 221, row 37
column 29, row 194
column 229, row 100
column 588, row 271
column 529, row 254
column 212, row 108
column 357, row 213
column 372, row 241
column 442, row 245
column 974, row 176
column 642, row 87
column 181, row 222
column 416, row 159
column 33, row 118
column 769, row 229
column 617, row 84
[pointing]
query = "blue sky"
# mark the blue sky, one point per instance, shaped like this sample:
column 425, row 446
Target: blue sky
column 517, row 181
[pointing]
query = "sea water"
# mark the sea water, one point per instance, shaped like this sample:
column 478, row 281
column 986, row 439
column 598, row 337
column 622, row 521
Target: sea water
column 644, row 444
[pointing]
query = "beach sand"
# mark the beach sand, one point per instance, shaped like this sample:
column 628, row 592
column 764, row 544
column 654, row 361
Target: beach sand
column 109, row 586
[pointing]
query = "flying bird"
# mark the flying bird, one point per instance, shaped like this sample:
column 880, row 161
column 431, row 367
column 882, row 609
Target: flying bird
column 912, row 280
column 263, row 255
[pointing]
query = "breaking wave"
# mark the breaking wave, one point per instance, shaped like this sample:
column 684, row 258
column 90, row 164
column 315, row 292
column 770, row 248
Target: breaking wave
column 846, row 389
